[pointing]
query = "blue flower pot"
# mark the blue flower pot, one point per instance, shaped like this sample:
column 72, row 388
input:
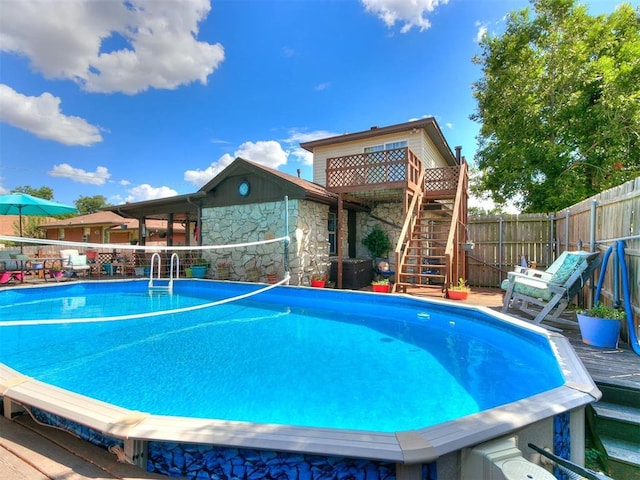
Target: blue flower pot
column 599, row 332
column 198, row 271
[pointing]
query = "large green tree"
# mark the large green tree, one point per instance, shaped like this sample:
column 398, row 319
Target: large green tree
column 559, row 105
column 42, row 192
column 90, row 204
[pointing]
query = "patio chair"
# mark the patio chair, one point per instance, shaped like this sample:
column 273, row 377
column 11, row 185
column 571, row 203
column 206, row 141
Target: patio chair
column 545, row 295
column 72, row 261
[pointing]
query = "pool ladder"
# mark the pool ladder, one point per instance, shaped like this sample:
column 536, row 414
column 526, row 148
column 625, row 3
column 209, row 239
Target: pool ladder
column 174, row 269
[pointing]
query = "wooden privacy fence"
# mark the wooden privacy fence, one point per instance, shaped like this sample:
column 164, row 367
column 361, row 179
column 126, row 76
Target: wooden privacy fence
column 503, row 241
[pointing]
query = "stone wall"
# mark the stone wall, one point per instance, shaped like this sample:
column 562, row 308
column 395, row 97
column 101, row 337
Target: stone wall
column 391, row 213
column 308, row 249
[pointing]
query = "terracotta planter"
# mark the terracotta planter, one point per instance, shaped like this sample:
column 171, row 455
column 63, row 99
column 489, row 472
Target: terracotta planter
column 457, row 295
column 272, row 278
column 318, row 283
column 381, row 288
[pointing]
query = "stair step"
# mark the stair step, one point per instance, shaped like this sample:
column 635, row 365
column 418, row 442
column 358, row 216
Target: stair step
column 431, row 257
column 403, row 285
column 619, row 394
column 623, row 451
column 620, row 413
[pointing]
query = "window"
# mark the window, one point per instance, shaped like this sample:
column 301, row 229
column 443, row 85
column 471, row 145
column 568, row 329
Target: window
column 394, row 170
column 386, row 146
column 331, row 227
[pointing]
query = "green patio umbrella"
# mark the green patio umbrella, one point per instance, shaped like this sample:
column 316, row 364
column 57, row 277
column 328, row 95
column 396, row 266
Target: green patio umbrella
column 23, row 204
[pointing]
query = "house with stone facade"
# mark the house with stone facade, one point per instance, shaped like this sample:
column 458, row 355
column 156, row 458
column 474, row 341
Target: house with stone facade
column 403, row 178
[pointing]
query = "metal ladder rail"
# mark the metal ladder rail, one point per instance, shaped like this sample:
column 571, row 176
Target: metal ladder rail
column 175, row 260
column 151, row 271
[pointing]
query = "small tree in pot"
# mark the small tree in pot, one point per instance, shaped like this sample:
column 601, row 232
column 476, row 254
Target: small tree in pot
column 377, row 242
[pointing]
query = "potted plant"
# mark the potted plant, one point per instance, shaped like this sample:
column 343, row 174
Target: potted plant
column 377, row 242
column 56, row 271
column 460, row 291
column 199, row 268
column 600, row 325
column 318, row 280
column 223, row 269
column 381, row 286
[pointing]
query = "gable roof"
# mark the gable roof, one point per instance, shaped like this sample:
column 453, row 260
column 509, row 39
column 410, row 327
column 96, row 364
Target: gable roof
column 207, row 196
column 429, row 125
column 296, row 186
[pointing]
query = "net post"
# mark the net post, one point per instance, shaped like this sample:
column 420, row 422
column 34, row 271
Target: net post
column 286, row 241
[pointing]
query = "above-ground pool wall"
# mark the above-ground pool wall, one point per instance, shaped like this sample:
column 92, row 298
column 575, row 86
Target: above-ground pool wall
column 308, row 231
column 563, row 435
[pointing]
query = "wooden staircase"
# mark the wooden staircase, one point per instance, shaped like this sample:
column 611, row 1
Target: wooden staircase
column 429, row 249
column 425, row 261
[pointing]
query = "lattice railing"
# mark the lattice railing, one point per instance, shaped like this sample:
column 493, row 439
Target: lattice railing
column 441, row 179
column 375, row 168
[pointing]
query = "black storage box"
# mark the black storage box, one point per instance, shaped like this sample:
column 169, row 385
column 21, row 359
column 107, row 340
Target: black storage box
column 356, row 272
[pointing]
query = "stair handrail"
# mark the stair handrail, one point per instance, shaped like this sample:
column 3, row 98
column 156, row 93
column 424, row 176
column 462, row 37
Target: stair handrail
column 400, row 251
column 449, row 250
column 151, row 271
column 175, row 260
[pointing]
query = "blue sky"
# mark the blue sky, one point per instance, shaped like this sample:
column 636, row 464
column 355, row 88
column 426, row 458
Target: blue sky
column 138, row 100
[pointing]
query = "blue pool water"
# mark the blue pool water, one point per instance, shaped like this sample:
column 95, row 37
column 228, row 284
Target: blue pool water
column 290, row 356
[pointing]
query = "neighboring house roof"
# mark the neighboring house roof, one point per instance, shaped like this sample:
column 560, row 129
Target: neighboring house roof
column 428, row 124
column 108, row 219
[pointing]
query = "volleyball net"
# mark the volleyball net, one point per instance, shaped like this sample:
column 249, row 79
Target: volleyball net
column 40, row 261
column 255, row 261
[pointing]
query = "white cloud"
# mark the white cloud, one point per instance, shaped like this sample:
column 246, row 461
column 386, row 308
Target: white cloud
column 200, row 177
column 42, row 117
column 269, row 153
column 66, row 40
column 147, row 192
column 408, row 12
column 296, row 137
column 482, row 31
column 322, row 86
column 64, row 170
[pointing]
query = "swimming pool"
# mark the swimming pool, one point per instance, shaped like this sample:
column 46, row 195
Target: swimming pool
column 275, row 371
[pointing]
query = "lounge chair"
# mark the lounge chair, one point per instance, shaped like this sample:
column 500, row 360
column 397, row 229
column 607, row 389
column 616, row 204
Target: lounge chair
column 544, row 295
column 9, row 276
column 73, row 261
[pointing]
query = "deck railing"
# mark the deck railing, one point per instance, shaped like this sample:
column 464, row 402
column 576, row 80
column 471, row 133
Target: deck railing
column 441, row 183
column 395, row 168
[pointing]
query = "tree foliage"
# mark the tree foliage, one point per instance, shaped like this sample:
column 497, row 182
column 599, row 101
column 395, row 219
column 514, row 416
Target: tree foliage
column 42, row 192
column 90, row 204
column 559, row 105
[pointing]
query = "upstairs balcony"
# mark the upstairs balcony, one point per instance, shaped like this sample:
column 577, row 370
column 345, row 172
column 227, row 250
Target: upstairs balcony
column 387, row 174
